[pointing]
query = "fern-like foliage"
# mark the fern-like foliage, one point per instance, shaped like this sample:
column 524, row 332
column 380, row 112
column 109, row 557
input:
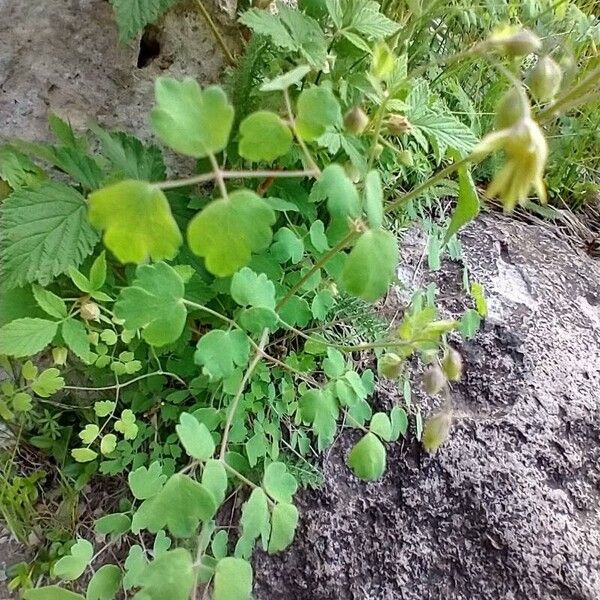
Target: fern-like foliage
column 133, row 15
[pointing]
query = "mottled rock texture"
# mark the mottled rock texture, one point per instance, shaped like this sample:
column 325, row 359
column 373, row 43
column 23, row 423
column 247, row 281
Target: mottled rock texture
column 509, row 508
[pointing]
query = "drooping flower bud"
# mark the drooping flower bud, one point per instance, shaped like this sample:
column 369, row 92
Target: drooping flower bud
column 355, row 120
column 398, row 124
column 512, row 107
column 514, row 41
column 452, row 364
column 436, row 431
column 390, row 365
column 544, row 79
column 434, row 380
column 59, row 356
column 383, row 61
column 406, row 158
column 89, row 311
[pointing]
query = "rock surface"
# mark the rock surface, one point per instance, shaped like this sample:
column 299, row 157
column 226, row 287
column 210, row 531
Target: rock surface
column 510, row 507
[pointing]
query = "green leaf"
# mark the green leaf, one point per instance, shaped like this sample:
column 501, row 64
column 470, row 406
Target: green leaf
column 279, row 483
column 76, row 338
column 317, row 109
column 251, row 289
column 374, row 199
column 133, row 15
column 370, row 267
column 108, row 444
column 307, row 35
column 264, row 137
column 154, row 304
column 18, row 170
column 233, row 579
column 89, row 433
column 191, row 120
column 295, row 312
column 382, row 426
column 17, row 303
column 469, row 323
column 170, row 575
column 51, row 592
column 264, row 22
column 98, row 272
column 341, row 194
column 478, row 295
column 42, row 248
column 258, row 318
column 317, row 236
column 320, row 409
column 214, row 479
column 283, row 82
column 399, row 420
column 283, row 527
column 73, row 565
column 287, row 246
column 130, row 157
column 367, row 20
column 467, row 207
column 127, row 425
column 368, row 457
column 22, row 402
column 322, row 303
column 219, row 544
column 137, row 221
column 117, row 523
column 255, row 515
column 64, row 133
column 227, row 231
column 103, row 408
column 25, row 337
column 219, row 352
column 445, row 130
column 83, row 455
column 49, row 302
column 135, row 563
column 179, row 506
column 146, row 482
column 105, row 583
column 195, row 437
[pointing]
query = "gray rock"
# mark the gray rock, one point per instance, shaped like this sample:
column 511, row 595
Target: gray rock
column 509, row 507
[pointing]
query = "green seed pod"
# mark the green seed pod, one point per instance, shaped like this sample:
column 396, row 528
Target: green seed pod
column 398, row 125
column 390, row 365
column 434, row 380
column 59, row 356
column 436, row 431
column 378, row 150
column 90, row 311
column 513, row 42
column 544, row 79
column 406, row 158
column 355, row 120
column 452, row 364
column 512, row 107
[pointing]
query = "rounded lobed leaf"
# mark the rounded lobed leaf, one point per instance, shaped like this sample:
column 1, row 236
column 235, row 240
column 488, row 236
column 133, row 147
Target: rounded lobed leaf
column 368, row 458
column 317, row 110
column 137, row 221
column 264, row 137
column 233, row 579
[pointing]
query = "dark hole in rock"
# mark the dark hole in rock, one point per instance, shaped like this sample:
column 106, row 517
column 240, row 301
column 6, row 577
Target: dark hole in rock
column 149, row 47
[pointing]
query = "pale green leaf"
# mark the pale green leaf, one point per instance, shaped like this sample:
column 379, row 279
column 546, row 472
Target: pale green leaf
column 40, row 249
column 374, row 199
column 282, row 82
column 255, row 515
column 146, row 482
column 339, row 191
column 233, row 579
column 382, row 426
column 103, row 408
column 264, row 137
column 25, row 337
column 214, row 479
column 264, row 22
column 154, row 304
column 89, row 433
column 250, row 289
column 279, row 483
column 98, row 271
column 137, row 221
column 287, row 246
column 195, row 437
column 73, row 565
column 108, row 444
column 317, row 109
column 75, row 336
column 320, row 409
column 191, row 120
column 51, row 592
column 83, row 455
column 227, row 231
column 370, row 267
column 370, row 22
column 170, row 575
column 49, row 302
column 219, row 352
column 105, row 583
column 284, row 521
column 368, row 458
column 116, row 523
column 467, row 206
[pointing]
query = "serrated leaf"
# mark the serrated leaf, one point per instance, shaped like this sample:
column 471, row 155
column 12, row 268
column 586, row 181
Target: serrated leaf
column 42, row 248
column 18, row 170
column 467, row 206
column 137, row 221
column 25, row 337
column 146, row 482
column 374, row 199
column 251, row 289
column 264, row 22
column 370, row 267
column 219, row 352
column 133, row 15
column 75, row 336
column 89, row 433
column 233, row 579
column 103, row 408
column 283, row 82
column 227, row 231
column 51, row 592
column 307, row 35
column 192, row 121
column 105, row 583
column 279, row 483
column 73, row 565
column 284, row 521
column 195, row 437
column 370, row 22
column 154, row 304
column 317, row 109
column 339, row 191
column 264, row 137
column 170, row 575
column 50, row 303
column 367, row 458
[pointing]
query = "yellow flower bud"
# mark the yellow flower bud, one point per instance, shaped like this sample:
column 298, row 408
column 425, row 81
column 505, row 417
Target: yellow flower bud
column 89, row 311
column 355, row 120
column 452, row 364
column 513, row 107
column 544, row 79
column 59, row 356
column 383, row 62
column 390, row 365
column 436, row 431
column 398, row 124
column 514, row 41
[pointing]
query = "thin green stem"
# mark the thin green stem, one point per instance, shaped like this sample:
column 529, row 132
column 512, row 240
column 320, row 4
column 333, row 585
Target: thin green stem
column 234, row 403
column 218, row 175
column 309, row 159
column 377, row 131
column 206, row 177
